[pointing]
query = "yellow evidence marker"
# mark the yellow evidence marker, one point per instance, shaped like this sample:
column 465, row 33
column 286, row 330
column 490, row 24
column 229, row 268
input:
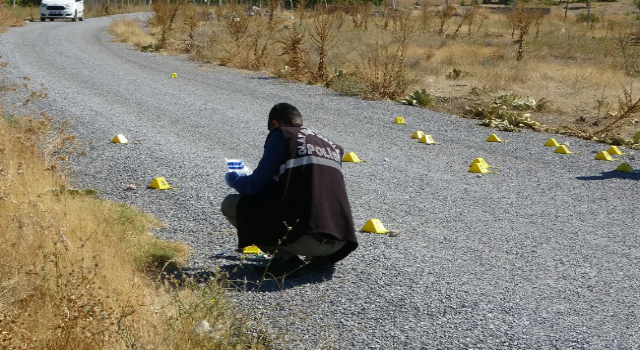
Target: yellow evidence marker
column 479, row 165
column 159, row 183
column 604, row 155
column 625, row 167
column 399, row 120
column 417, row 134
column 614, row 150
column 174, row 75
column 119, row 139
column 562, row 150
column 375, row 226
column 427, row 139
column 552, row 143
column 478, row 168
column 252, row 249
column 493, row 138
column 482, row 162
column 351, row 157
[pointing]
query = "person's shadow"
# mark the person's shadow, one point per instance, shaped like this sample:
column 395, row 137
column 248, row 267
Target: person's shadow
column 614, row 174
column 237, row 274
column 242, row 277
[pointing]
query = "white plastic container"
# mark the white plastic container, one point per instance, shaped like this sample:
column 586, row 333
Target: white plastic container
column 238, row 166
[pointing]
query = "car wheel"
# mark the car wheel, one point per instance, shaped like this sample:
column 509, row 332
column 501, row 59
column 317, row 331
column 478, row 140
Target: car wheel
column 41, row 19
column 51, row 19
column 81, row 18
column 75, row 17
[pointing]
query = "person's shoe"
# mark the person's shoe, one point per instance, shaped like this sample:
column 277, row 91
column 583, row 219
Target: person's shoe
column 322, row 263
column 278, row 267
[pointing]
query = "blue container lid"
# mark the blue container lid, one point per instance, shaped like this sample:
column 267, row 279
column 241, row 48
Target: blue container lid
column 235, row 164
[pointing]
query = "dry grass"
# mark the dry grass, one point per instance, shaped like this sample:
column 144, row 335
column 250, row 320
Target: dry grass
column 9, row 18
column 77, row 272
column 582, row 71
column 129, row 31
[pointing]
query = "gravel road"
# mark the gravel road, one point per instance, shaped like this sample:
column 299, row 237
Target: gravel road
column 544, row 254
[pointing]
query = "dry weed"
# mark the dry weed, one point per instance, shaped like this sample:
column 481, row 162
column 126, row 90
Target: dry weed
column 627, row 109
column 360, row 14
column 297, row 56
column 323, row 36
column 301, row 10
column 382, row 70
column 273, row 7
column 444, row 16
column 426, row 16
column 165, row 14
column 191, row 20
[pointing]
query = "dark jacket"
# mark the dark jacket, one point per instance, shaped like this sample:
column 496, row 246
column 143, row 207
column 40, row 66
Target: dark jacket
column 307, row 195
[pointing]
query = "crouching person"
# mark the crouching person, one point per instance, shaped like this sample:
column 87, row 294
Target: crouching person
column 295, row 202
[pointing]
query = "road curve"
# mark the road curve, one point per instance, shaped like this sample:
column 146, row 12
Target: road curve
column 543, row 254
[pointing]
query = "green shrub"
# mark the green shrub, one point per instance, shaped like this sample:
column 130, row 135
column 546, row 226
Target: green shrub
column 151, row 47
column 418, row 98
column 456, row 74
column 505, row 112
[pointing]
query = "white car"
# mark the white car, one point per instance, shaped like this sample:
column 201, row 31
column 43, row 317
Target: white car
column 52, row 9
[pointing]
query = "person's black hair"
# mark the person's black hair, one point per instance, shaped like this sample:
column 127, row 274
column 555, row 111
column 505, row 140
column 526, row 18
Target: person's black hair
column 285, row 114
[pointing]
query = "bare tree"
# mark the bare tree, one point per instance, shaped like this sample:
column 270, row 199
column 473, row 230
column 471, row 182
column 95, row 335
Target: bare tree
column 467, row 18
column 444, row 16
column 521, row 19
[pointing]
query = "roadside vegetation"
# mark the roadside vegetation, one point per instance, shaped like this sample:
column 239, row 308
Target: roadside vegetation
column 80, row 272
column 129, row 31
column 546, row 66
column 8, row 18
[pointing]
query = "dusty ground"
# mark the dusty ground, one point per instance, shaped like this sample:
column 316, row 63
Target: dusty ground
column 565, row 116
column 563, row 113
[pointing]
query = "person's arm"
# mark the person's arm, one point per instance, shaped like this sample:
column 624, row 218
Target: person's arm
column 269, row 166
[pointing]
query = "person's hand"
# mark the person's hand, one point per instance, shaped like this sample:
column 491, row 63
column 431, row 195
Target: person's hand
column 230, row 178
